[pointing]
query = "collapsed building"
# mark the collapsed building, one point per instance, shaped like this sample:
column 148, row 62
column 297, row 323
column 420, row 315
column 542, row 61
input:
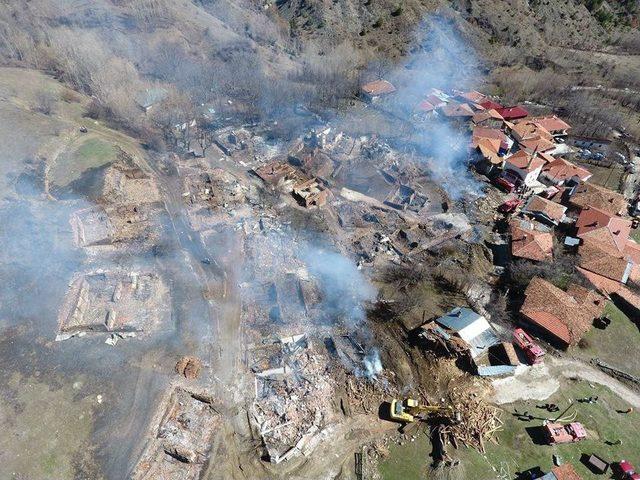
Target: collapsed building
column 309, row 192
column 213, row 196
column 183, row 428
column 292, row 396
column 102, row 226
column 114, row 302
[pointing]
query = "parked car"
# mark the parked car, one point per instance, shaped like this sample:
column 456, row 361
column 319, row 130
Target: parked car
column 623, row 470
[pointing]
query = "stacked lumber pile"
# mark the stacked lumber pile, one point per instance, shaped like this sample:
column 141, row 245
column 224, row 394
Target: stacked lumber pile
column 480, row 423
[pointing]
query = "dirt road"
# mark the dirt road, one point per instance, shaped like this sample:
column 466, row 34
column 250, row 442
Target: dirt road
column 541, row 381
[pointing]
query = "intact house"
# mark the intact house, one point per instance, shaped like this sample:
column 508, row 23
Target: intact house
column 596, row 225
column 609, row 259
column 471, row 327
column 527, row 166
column 512, row 113
column 455, row 111
column 564, row 317
column 532, row 137
column 544, row 210
column 554, row 125
column 490, row 146
column 589, row 194
column 488, row 118
column 473, row 97
column 560, row 171
column 372, row 91
column 530, row 240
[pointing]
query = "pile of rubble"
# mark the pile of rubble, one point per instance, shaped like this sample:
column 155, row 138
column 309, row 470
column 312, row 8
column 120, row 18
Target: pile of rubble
column 181, row 438
column 292, row 398
column 114, row 302
column 480, row 423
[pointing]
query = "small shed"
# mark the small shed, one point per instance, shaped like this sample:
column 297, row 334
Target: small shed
column 470, row 327
column 596, row 464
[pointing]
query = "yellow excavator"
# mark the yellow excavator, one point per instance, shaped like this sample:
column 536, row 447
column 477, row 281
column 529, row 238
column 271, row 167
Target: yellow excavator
column 409, row 410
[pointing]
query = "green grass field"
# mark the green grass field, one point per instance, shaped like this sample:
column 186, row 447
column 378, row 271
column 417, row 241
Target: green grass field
column 91, row 153
column 517, row 450
column 617, row 345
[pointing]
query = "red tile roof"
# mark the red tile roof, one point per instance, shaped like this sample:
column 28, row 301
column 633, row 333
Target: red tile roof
column 552, row 123
column 512, row 113
column 472, row 96
column 598, row 197
column 609, row 287
column 425, row 106
column 558, row 312
column 525, row 161
column 565, row 472
column 489, row 148
column 552, row 210
column 435, row 101
column 601, row 226
column 597, row 258
column 484, row 132
column 457, row 110
column 527, row 242
column 486, row 115
column 561, row 170
column 378, row 87
column 540, row 145
column 490, row 104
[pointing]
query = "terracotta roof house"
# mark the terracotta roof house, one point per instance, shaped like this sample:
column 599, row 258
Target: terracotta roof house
column 377, row 88
column 533, row 137
column 436, row 101
column 457, row 110
column 611, row 231
column 489, row 118
column 490, row 104
column 632, row 252
column 586, row 194
column 530, row 242
column 489, row 149
column 426, row 107
column 552, row 124
column 472, row 97
column 512, row 113
column 601, row 260
column 558, row 171
column 564, row 316
column 484, row 132
column 623, row 296
column 563, row 472
column 526, row 166
column 544, row 210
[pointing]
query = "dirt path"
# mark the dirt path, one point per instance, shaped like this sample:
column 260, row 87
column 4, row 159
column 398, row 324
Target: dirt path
column 574, row 368
column 541, row 381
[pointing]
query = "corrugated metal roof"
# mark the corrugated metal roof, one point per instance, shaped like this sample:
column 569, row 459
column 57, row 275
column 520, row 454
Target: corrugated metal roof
column 495, row 370
column 471, row 327
column 459, row 318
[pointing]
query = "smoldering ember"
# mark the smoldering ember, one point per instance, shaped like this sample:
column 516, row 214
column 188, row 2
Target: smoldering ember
column 355, row 240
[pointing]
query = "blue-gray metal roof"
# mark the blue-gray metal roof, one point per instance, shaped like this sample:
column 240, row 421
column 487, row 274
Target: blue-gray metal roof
column 458, row 318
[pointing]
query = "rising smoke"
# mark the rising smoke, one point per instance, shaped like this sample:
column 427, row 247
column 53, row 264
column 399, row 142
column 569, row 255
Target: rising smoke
column 441, row 59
